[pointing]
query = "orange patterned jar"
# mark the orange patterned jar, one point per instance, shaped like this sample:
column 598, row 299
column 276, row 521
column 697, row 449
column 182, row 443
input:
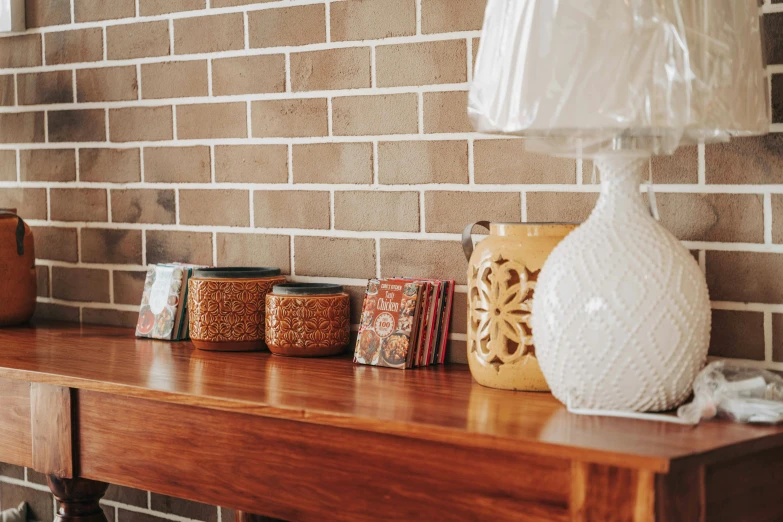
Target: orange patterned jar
column 226, row 307
column 307, row 319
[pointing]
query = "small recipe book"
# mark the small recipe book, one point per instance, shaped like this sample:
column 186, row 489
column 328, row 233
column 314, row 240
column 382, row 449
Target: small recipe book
column 405, row 323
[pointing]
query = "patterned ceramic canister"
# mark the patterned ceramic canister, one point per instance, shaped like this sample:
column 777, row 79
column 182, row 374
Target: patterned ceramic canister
column 226, row 307
column 307, row 319
column 502, row 274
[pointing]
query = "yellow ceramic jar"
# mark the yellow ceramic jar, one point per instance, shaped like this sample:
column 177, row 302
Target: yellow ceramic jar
column 502, row 274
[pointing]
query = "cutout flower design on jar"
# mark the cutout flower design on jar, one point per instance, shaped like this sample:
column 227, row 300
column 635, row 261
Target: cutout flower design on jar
column 501, row 294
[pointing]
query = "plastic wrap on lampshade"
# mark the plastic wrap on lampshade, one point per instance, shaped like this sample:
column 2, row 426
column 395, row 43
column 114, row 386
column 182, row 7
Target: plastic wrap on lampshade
column 583, row 77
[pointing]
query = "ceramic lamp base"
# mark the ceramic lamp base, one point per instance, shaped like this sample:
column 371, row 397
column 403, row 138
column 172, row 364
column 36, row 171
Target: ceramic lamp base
column 621, row 315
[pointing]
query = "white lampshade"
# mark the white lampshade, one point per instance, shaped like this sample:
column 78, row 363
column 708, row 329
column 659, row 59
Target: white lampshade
column 655, row 73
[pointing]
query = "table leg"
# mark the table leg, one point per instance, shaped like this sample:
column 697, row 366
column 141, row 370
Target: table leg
column 78, row 499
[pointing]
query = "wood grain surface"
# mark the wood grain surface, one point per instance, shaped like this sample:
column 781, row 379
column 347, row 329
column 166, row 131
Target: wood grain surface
column 301, row 439
column 15, row 433
column 298, row 471
column 52, row 431
column 439, row 404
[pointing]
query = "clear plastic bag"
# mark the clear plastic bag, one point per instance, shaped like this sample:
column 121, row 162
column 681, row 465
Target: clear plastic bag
column 584, row 77
column 740, row 394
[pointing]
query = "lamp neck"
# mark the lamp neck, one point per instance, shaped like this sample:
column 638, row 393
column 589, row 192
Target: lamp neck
column 620, row 180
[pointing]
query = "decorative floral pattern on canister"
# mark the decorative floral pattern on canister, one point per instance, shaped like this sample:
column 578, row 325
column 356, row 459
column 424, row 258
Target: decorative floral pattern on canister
column 228, row 314
column 307, row 325
column 502, row 276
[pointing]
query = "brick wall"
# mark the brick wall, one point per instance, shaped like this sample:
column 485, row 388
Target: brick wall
column 120, row 504
column 325, row 137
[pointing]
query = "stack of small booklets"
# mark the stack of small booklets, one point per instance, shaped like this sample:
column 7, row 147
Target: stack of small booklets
column 163, row 313
column 405, row 323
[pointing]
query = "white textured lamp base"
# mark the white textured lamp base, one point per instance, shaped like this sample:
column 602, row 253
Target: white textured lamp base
column 621, row 314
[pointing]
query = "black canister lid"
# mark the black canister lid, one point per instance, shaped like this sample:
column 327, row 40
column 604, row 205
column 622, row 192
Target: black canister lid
column 307, row 289
column 236, row 272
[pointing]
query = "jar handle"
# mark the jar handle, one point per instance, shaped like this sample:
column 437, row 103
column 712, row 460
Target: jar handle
column 19, row 231
column 467, row 237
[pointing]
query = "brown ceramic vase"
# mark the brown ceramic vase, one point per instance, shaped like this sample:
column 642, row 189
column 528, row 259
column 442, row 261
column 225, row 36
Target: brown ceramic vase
column 226, row 307
column 17, row 270
column 307, row 320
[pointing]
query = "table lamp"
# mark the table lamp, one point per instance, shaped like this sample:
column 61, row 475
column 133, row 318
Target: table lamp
column 621, row 313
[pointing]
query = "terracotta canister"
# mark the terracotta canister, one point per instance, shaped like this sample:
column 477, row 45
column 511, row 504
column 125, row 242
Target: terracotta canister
column 307, row 319
column 226, row 307
column 502, row 274
column 17, row 270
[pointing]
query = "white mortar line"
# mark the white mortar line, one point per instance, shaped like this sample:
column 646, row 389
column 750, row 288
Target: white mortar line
column 523, row 206
column 209, row 80
column 293, row 259
column 429, row 236
column 214, row 249
column 290, row 164
column 77, row 152
column 141, row 165
column 702, row 176
column 108, row 205
column 331, row 209
column 329, row 117
column 768, row 218
column 245, row 52
column 328, row 11
column 212, row 167
column 749, row 363
column 249, row 117
column 768, row 343
column 471, row 165
column 747, row 307
column 373, row 68
column 246, row 29
column 252, row 209
column 418, row 17
column 288, row 73
column 138, row 14
column 74, row 87
column 377, row 257
column 146, row 511
column 20, row 482
column 111, row 286
column 233, row 98
column 469, row 47
column 420, row 109
column 144, row 247
column 375, row 165
column 176, row 205
column 16, row 89
column 105, row 44
column 174, row 122
column 422, row 212
column 171, row 36
column 452, row 187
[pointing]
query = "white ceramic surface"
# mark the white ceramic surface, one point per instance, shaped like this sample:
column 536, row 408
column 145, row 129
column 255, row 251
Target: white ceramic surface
column 621, row 313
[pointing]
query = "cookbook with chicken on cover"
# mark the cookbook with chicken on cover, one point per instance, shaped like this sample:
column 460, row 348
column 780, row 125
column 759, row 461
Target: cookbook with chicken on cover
column 387, row 335
column 404, row 322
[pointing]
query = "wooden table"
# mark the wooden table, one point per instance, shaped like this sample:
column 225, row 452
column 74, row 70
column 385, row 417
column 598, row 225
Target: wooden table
column 302, row 439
